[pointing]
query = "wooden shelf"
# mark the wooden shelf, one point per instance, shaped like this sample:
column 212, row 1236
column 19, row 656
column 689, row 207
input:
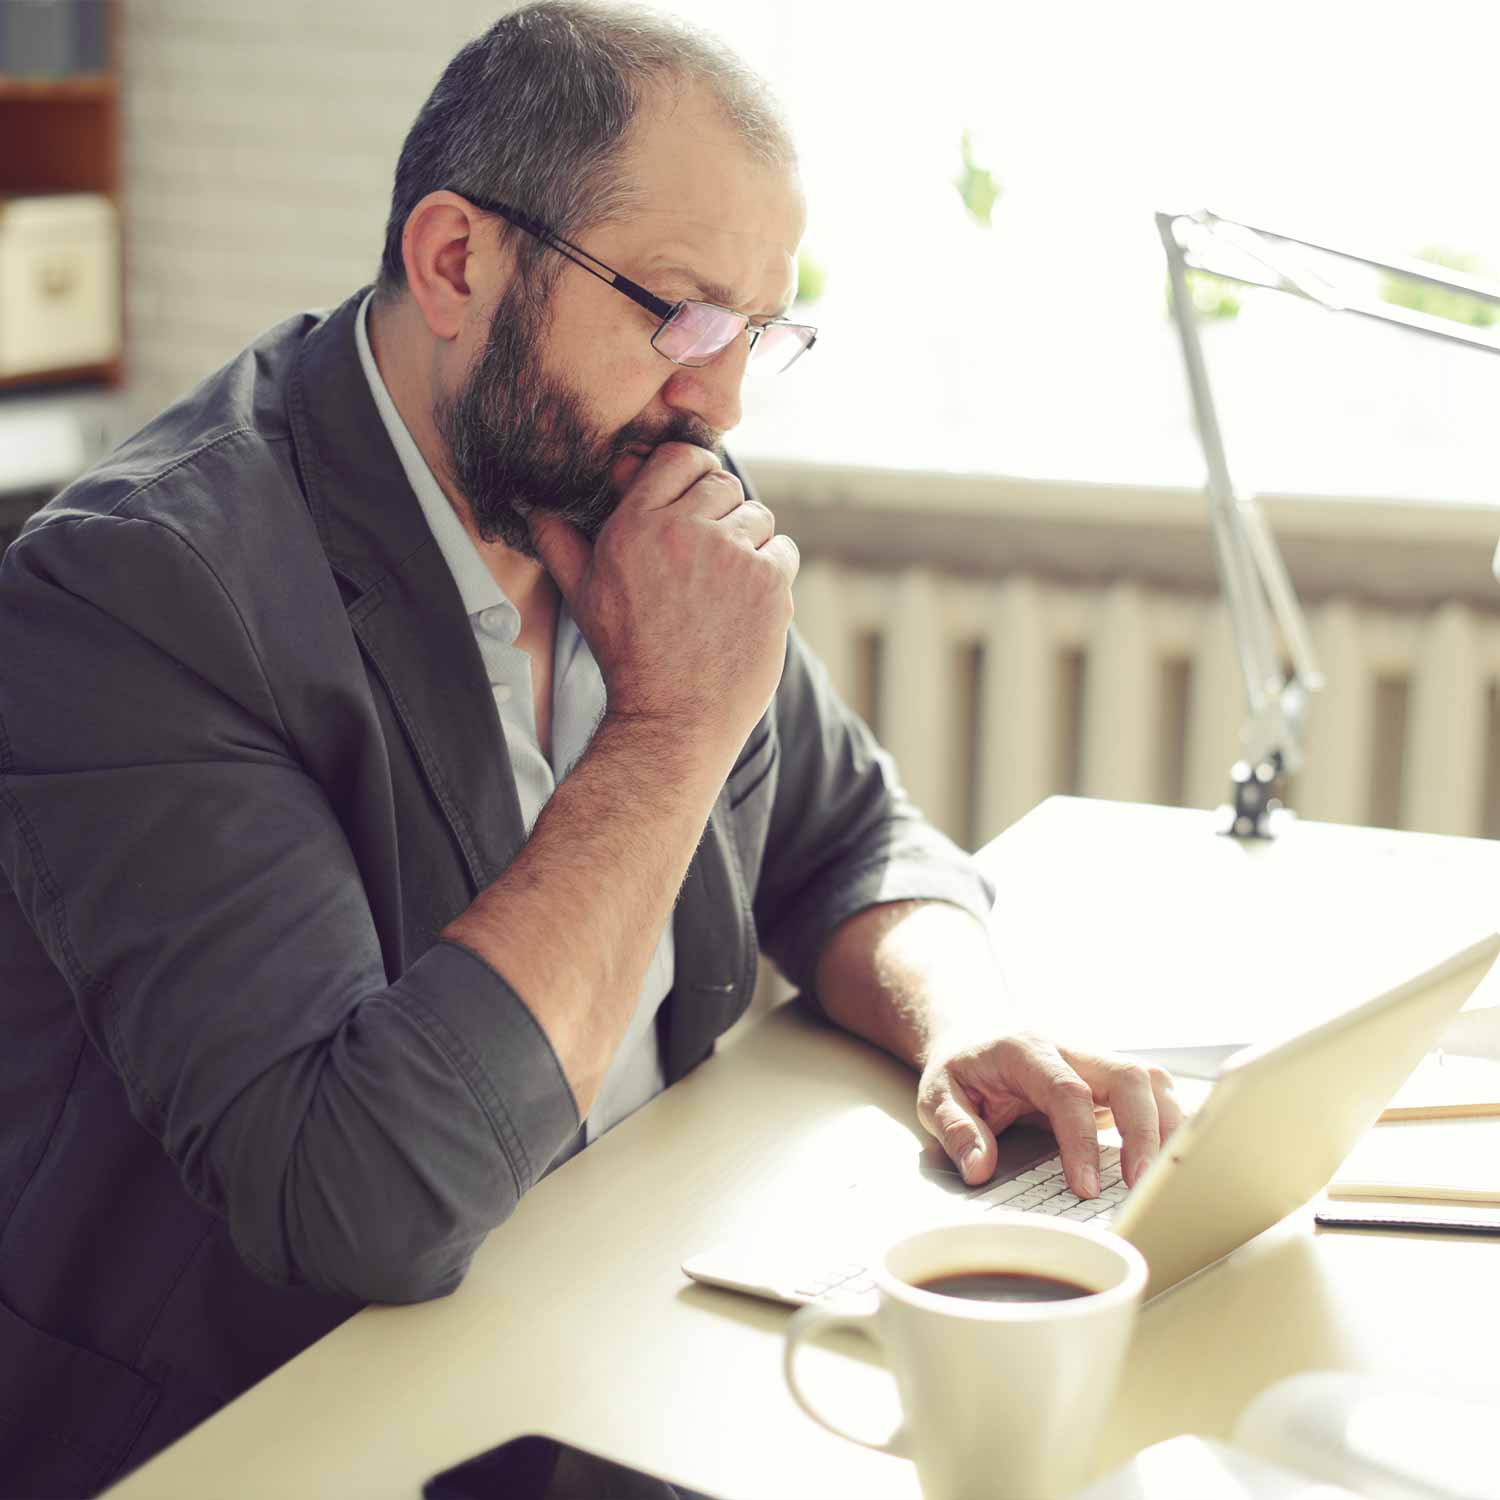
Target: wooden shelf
column 106, row 374
column 76, row 86
column 62, row 135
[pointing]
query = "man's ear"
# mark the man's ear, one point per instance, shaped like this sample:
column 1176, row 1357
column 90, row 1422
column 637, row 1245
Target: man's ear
column 456, row 262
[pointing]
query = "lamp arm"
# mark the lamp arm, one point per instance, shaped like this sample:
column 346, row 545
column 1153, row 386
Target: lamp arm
column 1254, row 578
column 1257, row 588
column 1246, row 606
column 1409, row 270
column 1285, row 270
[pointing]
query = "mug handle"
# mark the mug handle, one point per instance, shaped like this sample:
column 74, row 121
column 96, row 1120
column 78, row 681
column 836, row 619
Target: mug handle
column 813, row 1321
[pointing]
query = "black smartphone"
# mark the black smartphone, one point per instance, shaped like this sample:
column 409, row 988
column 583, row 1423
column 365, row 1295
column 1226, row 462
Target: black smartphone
column 542, row 1468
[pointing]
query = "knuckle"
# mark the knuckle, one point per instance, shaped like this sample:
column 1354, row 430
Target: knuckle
column 675, row 456
column 1159, row 1077
column 721, row 478
column 1026, row 1044
column 1073, row 1090
column 684, row 465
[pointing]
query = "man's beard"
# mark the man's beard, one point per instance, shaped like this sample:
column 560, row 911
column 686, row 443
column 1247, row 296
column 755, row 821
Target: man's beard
column 520, row 440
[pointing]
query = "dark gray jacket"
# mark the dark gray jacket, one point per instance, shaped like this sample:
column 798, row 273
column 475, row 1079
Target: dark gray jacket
column 250, row 767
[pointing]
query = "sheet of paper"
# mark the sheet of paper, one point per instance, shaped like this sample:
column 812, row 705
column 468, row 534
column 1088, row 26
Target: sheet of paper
column 1199, row 1468
column 1433, row 1155
column 1474, row 1032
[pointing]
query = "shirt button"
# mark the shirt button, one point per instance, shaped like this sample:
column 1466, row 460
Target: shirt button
column 502, row 622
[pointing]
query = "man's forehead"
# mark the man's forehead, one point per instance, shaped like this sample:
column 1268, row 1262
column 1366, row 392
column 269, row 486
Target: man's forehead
column 690, row 165
column 676, row 239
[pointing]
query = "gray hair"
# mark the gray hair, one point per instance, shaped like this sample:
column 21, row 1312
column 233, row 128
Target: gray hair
column 537, row 113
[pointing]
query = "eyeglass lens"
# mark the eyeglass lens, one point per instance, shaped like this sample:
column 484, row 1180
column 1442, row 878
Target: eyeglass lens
column 697, row 332
column 778, row 346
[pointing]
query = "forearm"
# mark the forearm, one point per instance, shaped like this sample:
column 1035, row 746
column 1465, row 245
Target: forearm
column 904, row 973
column 572, row 923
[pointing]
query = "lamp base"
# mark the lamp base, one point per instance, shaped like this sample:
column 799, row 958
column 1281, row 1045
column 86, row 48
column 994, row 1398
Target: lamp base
column 1257, row 811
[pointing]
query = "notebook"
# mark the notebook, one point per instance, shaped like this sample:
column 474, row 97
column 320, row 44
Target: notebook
column 1267, row 1138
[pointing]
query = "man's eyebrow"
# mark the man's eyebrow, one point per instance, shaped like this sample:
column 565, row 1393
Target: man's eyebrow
column 711, row 291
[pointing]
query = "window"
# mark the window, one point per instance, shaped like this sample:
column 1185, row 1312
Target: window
column 1042, row 345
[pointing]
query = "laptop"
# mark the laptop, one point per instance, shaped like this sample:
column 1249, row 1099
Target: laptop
column 1269, row 1135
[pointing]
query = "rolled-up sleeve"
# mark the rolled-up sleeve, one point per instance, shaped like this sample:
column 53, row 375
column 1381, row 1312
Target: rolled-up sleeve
column 360, row 1132
column 843, row 835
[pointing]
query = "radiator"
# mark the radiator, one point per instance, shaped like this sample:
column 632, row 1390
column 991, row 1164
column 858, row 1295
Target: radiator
column 993, row 694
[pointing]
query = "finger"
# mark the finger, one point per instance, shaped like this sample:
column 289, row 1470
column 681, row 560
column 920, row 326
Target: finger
column 669, row 473
column 1168, row 1110
column 969, row 1142
column 1126, row 1087
column 1140, row 1099
column 1068, row 1103
column 782, row 551
column 753, row 521
column 716, row 495
column 563, row 549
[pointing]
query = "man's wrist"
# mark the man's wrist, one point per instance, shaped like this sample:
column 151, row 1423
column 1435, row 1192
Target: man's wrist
column 916, row 978
column 667, row 748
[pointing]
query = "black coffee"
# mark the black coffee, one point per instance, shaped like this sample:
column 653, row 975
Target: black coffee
column 1004, row 1286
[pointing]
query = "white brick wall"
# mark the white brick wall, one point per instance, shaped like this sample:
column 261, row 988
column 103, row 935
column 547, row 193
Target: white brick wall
column 259, row 146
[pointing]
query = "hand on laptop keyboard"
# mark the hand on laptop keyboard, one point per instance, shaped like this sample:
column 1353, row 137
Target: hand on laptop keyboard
column 971, row 1092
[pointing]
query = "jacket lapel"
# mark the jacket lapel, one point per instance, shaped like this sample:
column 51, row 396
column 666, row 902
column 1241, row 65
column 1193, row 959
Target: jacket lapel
column 406, row 613
column 409, row 619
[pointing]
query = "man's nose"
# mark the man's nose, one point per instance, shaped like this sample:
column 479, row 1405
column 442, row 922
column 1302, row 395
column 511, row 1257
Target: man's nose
column 712, row 392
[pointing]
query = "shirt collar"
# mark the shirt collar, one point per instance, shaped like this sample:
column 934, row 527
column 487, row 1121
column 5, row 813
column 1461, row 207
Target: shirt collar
column 476, row 584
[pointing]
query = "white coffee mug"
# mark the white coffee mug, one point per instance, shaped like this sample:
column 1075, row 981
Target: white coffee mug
column 997, row 1398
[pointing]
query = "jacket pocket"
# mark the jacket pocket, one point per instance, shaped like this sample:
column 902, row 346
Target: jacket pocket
column 67, row 1416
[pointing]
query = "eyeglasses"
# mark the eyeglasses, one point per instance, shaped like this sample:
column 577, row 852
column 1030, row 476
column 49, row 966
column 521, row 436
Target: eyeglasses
column 690, row 333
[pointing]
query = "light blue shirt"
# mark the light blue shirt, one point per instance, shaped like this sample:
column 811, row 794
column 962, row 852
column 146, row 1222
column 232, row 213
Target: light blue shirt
column 635, row 1074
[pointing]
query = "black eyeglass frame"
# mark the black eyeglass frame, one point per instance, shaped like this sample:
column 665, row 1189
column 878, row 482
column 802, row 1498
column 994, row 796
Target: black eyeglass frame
column 658, row 306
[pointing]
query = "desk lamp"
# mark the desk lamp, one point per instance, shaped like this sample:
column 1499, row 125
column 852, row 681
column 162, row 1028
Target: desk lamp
column 1256, row 586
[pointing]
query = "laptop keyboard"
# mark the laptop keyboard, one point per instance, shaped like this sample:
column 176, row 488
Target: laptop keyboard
column 1040, row 1189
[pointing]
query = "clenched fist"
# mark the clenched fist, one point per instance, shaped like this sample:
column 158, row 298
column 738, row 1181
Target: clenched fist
column 685, row 598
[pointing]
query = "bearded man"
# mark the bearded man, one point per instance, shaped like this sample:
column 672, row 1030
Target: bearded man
column 407, row 753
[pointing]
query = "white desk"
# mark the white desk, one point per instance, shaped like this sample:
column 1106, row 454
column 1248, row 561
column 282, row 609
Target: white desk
column 575, row 1320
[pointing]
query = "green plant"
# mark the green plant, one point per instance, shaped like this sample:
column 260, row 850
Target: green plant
column 1212, row 296
column 1439, row 301
column 811, row 278
column 977, row 186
